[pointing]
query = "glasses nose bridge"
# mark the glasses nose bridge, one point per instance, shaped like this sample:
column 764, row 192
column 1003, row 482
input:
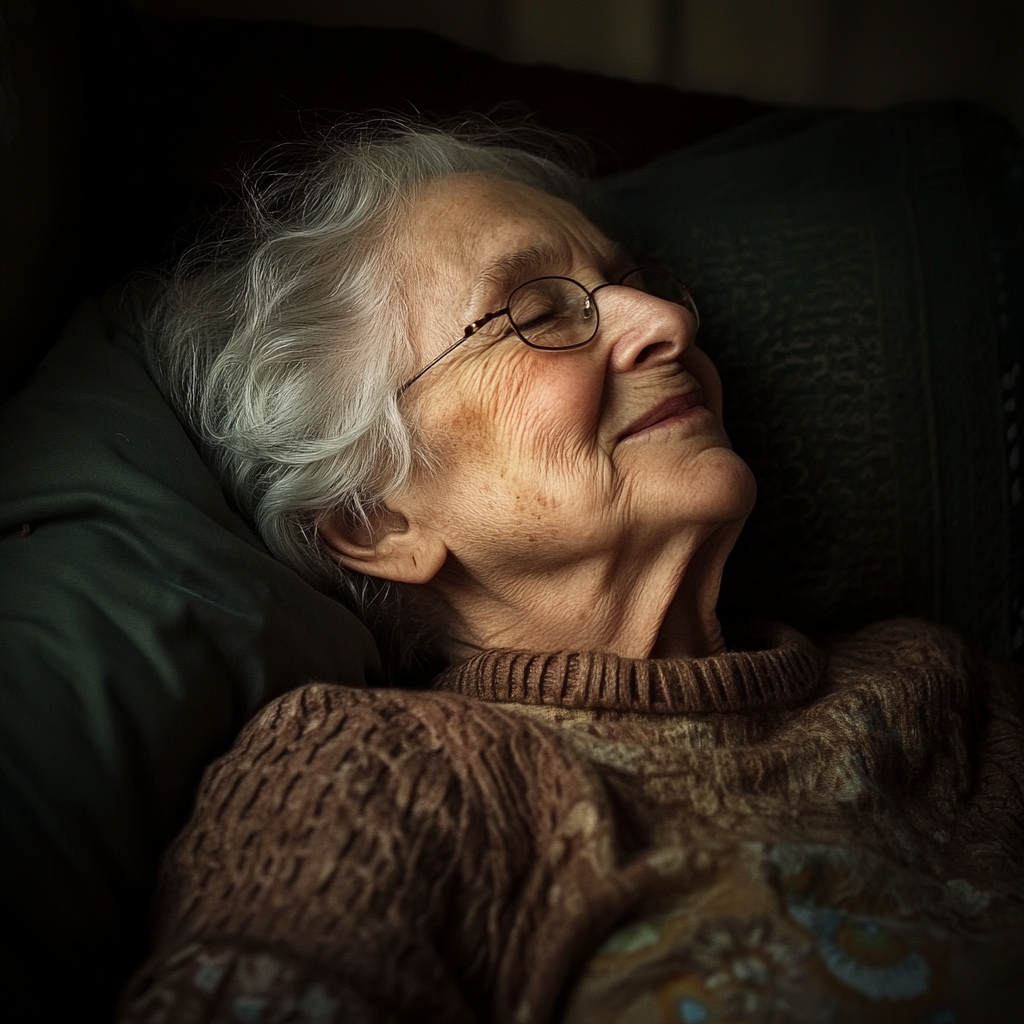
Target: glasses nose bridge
column 592, row 293
column 684, row 299
column 592, row 296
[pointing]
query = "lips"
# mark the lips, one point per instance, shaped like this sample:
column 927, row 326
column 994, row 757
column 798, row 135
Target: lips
column 669, row 409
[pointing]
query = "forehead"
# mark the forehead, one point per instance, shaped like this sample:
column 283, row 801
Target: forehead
column 474, row 232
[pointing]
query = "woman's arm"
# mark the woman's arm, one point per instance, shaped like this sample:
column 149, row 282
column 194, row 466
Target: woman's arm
column 371, row 856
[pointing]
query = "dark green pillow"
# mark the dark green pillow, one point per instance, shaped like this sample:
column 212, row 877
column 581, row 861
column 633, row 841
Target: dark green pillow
column 861, row 287
column 142, row 623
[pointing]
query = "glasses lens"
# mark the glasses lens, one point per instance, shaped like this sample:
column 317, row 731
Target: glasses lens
column 553, row 312
column 662, row 282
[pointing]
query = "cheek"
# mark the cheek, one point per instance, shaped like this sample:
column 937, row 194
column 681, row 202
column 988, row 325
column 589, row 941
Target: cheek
column 525, row 425
column 548, row 420
column 530, row 400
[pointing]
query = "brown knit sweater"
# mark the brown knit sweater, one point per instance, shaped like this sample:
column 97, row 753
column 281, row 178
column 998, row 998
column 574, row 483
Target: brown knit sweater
column 784, row 833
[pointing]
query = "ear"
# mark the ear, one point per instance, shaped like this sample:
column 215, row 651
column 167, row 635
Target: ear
column 391, row 548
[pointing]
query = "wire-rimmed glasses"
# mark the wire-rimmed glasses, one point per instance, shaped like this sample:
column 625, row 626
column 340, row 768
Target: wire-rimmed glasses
column 560, row 313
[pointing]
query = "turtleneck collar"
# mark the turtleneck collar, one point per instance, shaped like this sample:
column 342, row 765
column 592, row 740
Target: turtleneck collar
column 786, row 671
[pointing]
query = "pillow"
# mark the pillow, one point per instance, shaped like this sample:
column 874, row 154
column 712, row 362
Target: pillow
column 860, row 278
column 142, row 623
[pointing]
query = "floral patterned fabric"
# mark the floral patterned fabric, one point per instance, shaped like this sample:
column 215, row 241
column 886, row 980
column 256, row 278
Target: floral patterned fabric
column 796, row 935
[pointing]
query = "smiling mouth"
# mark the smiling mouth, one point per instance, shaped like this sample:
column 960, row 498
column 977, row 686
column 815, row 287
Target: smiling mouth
column 671, row 410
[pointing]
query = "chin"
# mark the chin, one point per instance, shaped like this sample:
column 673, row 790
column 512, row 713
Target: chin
column 743, row 484
column 717, row 486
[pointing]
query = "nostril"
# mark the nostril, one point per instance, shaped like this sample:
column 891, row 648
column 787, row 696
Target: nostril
column 646, row 334
column 650, row 351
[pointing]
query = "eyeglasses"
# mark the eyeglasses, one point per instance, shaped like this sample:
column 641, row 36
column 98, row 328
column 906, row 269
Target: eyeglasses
column 560, row 313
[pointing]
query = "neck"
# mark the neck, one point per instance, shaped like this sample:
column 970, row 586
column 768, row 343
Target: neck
column 665, row 609
column 690, row 626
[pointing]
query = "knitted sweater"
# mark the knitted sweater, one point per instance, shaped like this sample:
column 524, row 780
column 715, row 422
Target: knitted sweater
column 781, row 832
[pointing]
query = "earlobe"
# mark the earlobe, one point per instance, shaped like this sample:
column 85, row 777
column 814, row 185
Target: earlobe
column 389, row 547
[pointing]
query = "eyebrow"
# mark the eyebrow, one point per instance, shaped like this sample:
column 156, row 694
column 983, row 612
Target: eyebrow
column 509, row 270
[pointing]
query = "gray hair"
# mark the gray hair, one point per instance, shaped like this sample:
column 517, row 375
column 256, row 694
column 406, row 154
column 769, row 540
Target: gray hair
column 281, row 342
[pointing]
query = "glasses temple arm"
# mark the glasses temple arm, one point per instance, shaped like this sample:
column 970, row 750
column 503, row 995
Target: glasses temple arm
column 469, row 332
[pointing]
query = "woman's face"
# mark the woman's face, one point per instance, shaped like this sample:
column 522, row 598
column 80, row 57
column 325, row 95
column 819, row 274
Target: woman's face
column 593, row 465
column 544, row 456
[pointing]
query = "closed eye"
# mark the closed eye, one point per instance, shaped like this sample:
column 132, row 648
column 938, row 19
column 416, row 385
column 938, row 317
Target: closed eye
column 539, row 320
column 537, row 308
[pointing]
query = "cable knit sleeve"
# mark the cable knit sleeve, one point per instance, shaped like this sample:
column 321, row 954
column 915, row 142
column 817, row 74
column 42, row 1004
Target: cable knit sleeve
column 370, row 856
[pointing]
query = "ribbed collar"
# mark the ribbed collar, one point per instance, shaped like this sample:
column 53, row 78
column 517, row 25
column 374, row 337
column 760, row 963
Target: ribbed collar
column 787, row 671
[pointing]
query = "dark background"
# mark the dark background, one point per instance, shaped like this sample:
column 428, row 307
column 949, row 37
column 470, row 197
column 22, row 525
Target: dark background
column 96, row 127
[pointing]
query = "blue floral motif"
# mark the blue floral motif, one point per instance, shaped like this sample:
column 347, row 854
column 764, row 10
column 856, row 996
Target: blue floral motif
column 907, row 978
column 692, row 1011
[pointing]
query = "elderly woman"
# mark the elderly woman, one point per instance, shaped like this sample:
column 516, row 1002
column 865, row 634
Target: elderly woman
column 431, row 380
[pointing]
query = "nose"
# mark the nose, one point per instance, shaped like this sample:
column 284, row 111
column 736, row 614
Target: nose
column 642, row 330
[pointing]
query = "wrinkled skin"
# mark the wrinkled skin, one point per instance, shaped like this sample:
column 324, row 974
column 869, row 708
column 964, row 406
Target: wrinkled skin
column 549, row 521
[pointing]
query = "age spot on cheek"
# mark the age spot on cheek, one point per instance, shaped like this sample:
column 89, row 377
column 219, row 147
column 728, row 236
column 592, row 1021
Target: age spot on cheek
column 536, row 506
column 461, row 433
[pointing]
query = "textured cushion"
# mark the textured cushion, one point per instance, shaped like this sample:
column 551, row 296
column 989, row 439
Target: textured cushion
column 861, row 289
column 142, row 623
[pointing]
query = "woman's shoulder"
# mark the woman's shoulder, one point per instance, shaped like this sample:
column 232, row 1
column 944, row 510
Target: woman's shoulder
column 389, row 738
column 321, row 716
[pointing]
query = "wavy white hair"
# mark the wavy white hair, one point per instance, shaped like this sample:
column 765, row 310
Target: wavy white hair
column 281, row 343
